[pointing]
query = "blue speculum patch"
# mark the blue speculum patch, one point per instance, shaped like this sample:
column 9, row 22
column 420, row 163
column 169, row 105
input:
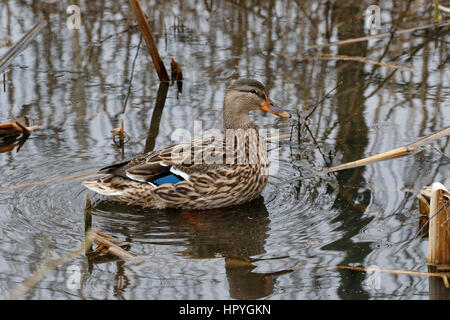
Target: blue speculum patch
column 170, row 178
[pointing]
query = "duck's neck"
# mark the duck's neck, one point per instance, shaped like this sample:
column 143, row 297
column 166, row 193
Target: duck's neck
column 235, row 119
column 241, row 121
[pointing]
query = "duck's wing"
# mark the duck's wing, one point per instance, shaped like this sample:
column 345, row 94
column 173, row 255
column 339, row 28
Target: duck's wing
column 172, row 164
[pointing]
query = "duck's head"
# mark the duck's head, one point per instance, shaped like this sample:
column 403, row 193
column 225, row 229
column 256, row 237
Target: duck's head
column 243, row 96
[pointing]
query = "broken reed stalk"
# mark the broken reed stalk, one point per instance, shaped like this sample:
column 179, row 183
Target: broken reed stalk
column 149, row 40
column 105, row 240
column 15, row 127
column 109, row 237
column 379, row 157
column 21, row 45
column 439, row 225
column 122, row 131
column 381, row 35
column 112, row 247
column 122, row 134
column 445, row 9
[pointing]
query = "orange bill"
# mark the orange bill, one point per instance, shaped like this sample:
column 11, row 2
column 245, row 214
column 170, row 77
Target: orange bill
column 269, row 106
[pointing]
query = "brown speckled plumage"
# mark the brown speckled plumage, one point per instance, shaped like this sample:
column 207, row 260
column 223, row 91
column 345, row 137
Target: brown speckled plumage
column 223, row 172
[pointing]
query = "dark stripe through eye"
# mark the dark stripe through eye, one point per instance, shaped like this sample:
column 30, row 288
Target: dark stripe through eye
column 252, row 91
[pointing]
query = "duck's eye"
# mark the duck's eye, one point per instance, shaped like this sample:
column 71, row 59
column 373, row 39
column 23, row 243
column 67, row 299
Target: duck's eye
column 253, row 91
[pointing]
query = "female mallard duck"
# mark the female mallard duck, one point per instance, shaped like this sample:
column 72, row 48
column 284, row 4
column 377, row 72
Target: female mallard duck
column 203, row 173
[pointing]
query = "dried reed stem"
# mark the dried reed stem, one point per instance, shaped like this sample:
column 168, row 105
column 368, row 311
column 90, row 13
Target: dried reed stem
column 149, row 40
column 109, row 242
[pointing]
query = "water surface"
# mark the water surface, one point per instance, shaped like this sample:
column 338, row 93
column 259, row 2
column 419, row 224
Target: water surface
column 74, row 84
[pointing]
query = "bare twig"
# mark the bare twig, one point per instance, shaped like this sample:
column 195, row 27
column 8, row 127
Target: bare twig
column 439, row 151
column 321, row 100
column 132, row 74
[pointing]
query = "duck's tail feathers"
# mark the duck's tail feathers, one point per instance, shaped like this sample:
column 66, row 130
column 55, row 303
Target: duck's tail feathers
column 109, row 185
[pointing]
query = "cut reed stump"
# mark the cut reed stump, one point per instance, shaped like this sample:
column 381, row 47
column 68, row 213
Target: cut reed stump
column 435, row 200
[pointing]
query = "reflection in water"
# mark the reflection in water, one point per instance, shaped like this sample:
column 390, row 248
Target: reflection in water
column 156, row 116
column 352, row 136
column 11, row 142
column 235, row 234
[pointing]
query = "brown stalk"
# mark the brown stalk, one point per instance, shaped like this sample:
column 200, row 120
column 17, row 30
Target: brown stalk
column 149, row 40
column 15, row 127
column 108, row 241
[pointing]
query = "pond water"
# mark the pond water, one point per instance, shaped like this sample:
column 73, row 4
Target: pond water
column 77, row 84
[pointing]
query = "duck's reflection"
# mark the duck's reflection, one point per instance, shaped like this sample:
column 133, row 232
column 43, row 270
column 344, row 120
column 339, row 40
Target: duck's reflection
column 236, row 234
